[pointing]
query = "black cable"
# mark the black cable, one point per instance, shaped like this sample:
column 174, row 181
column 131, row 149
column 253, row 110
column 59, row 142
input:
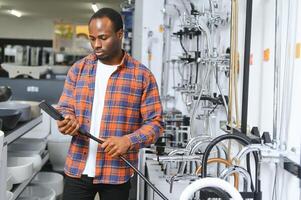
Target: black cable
column 243, row 140
column 196, row 59
column 181, row 42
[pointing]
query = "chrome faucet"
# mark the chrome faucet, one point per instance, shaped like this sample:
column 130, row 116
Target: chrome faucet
column 177, row 177
column 237, row 169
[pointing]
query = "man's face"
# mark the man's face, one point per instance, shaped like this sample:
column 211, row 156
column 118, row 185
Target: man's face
column 104, row 40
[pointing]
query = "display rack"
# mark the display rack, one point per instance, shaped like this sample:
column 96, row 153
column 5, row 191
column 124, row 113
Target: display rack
column 21, row 129
column 7, row 138
column 17, row 190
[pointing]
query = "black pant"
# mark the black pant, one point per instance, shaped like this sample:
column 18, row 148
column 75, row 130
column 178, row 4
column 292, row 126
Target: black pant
column 84, row 189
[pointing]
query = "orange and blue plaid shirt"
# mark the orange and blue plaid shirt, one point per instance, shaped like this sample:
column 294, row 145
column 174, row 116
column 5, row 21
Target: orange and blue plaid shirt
column 132, row 107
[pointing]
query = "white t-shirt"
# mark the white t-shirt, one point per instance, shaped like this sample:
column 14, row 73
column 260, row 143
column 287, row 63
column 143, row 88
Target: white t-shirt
column 103, row 73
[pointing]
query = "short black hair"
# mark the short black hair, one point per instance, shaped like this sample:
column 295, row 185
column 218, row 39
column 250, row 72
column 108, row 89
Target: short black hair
column 110, row 13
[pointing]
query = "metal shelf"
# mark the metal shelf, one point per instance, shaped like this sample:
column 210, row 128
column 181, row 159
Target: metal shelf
column 19, row 189
column 11, row 136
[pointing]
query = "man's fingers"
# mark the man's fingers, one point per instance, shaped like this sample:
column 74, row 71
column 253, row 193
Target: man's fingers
column 113, row 151
column 68, row 126
column 74, row 132
column 104, row 144
column 109, row 147
column 62, row 123
column 115, row 154
column 72, row 126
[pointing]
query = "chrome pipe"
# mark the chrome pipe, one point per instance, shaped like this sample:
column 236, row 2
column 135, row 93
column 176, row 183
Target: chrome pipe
column 178, row 158
column 237, row 169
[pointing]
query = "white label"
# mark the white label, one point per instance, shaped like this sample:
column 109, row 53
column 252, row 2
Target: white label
column 32, row 89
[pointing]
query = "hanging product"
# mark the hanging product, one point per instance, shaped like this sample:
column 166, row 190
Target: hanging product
column 225, row 162
column 243, row 140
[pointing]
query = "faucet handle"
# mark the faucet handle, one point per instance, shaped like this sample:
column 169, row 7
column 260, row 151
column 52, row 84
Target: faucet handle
column 266, row 137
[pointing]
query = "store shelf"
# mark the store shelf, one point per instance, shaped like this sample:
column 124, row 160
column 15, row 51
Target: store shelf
column 17, row 190
column 157, row 177
column 21, row 129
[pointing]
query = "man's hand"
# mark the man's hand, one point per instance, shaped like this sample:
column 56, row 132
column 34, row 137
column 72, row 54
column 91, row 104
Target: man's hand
column 116, row 146
column 69, row 126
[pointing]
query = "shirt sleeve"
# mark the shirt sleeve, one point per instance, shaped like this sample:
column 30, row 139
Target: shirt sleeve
column 66, row 101
column 151, row 112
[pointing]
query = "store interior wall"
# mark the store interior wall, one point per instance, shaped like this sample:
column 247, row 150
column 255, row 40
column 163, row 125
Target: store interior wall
column 147, row 48
column 261, row 88
column 26, row 28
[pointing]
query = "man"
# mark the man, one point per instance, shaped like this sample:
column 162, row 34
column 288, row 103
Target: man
column 115, row 98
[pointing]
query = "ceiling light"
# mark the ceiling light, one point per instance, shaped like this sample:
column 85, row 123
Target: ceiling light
column 94, row 7
column 16, row 13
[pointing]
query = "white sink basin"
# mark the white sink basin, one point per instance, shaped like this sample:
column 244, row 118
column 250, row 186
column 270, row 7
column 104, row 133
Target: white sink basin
column 31, row 145
column 37, row 192
column 33, row 157
column 20, row 169
column 50, row 180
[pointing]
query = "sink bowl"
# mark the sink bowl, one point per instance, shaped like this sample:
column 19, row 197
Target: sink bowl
column 23, row 108
column 28, row 144
column 37, row 192
column 34, row 158
column 9, row 118
column 50, row 180
column 20, row 168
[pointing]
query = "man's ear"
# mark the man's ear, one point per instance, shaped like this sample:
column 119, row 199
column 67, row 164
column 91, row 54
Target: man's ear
column 120, row 34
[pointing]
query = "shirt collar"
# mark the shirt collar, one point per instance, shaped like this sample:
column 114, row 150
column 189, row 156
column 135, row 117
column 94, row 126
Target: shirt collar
column 122, row 64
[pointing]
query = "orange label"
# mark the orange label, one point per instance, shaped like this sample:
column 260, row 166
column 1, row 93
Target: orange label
column 251, row 59
column 298, row 50
column 266, row 55
column 161, row 28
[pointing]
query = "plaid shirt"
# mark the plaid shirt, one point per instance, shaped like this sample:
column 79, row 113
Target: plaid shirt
column 132, row 107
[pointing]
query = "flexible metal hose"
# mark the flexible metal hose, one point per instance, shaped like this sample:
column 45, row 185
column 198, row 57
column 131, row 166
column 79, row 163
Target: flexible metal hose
column 243, row 140
column 222, row 161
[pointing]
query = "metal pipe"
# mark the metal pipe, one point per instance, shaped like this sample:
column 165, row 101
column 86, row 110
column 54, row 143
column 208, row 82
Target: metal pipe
column 232, row 61
column 245, row 152
column 239, row 137
column 199, row 99
column 222, row 161
column 277, row 61
column 248, row 149
column 220, row 147
column 220, row 91
column 196, row 139
column 236, row 65
column 198, row 145
column 166, row 165
column 178, row 158
column 180, row 177
column 237, row 170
